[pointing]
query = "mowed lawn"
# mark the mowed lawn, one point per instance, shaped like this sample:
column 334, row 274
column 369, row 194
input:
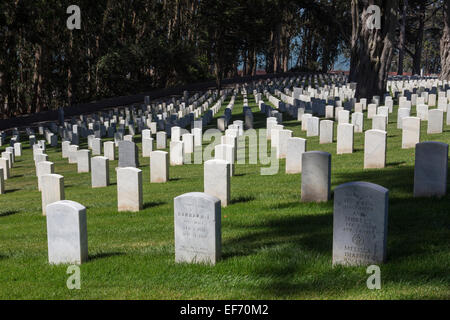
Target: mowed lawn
column 273, row 246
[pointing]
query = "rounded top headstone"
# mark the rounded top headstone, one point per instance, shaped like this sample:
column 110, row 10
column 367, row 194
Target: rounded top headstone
column 362, row 184
column 52, row 208
column 198, row 195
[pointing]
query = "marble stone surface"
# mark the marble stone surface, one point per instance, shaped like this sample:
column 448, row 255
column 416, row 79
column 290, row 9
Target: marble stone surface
column 216, row 180
column 176, row 153
column 345, row 134
column 410, row 132
column 159, row 166
column 129, row 189
column 109, row 150
column 128, row 154
column 67, row 233
column 435, row 121
column 197, row 228
column 375, row 143
column 83, row 161
column 360, row 219
column 316, row 176
column 326, row 131
column 52, row 189
column 295, row 150
column 100, row 172
column 430, row 170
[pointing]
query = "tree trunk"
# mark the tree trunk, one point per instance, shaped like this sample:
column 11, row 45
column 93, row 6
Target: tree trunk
column 372, row 48
column 245, row 66
column 417, row 58
column 277, row 48
column 251, row 61
column 445, row 43
column 286, row 54
column 218, row 69
column 37, row 81
column 255, row 62
column 401, row 49
column 354, row 40
column 69, row 72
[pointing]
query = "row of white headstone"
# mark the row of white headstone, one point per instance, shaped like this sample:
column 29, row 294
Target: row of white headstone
column 359, row 232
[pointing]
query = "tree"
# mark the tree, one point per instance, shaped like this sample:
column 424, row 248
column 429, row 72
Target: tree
column 219, row 35
column 372, row 48
column 445, row 43
column 402, row 40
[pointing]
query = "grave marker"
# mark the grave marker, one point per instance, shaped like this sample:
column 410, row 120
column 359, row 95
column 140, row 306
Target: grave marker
column 67, row 233
column 360, row 219
column 197, row 228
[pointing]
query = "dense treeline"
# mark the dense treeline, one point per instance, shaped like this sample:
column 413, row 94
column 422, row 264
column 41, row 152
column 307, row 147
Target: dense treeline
column 131, row 46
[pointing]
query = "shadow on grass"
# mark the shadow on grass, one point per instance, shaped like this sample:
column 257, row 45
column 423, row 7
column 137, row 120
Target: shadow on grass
column 417, row 243
column 104, row 255
column 8, row 213
column 11, row 190
column 153, row 204
column 312, row 231
column 398, row 179
column 242, row 199
column 286, row 205
column 395, row 164
column 239, row 175
column 417, row 248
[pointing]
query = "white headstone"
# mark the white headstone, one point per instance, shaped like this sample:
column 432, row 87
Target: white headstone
column 161, row 140
column 358, row 122
column 197, row 228
column 430, row 170
column 159, row 167
column 375, row 149
column 67, row 233
column 225, row 152
column 129, row 189
column 216, row 180
column 326, row 131
column 410, row 132
column 52, row 186
column 295, row 150
column 84, row 160
column 316, row 176
column 147, row 146
column 176, row 153
column 345, row 133
column 100, row 172
column 312, row 127
column 360, row 220
column 109, row 149
column 435, row 121
column 44, row 167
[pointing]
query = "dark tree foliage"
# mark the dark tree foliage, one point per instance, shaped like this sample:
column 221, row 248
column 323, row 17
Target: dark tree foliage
column 445, row 43
column 131, row 46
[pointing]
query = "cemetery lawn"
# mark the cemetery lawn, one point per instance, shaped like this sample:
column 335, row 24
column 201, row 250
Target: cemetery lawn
column 273, row 246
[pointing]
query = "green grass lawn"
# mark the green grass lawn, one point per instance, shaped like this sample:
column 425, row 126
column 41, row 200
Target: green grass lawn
column 273, row 246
